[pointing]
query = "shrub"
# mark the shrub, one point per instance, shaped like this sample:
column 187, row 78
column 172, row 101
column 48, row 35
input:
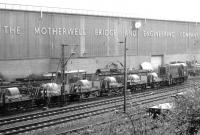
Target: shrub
column 185, row 118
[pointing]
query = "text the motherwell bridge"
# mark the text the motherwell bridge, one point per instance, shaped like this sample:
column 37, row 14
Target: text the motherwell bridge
column 75, row 31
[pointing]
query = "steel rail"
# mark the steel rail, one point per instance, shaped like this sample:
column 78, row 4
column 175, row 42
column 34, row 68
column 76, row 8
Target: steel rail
column 78, row 107
column 73, row 117
column 68, row 118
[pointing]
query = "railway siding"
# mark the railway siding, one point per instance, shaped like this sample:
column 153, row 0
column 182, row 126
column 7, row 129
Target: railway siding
column 77, row 116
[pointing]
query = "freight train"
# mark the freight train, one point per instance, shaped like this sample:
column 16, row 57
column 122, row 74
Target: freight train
column 99, row 84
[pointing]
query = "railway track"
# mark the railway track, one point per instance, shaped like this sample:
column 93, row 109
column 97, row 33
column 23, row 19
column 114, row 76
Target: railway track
column 79, row 129
column 83, row 106
column 82, row 128
column 67, row 118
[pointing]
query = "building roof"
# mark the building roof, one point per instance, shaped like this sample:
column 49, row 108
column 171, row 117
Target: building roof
column 61, row 10
column 42, row 9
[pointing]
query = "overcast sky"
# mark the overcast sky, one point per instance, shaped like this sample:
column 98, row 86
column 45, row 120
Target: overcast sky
column 183, row 10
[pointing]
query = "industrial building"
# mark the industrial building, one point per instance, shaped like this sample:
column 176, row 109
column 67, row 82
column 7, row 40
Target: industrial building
column 31, row 39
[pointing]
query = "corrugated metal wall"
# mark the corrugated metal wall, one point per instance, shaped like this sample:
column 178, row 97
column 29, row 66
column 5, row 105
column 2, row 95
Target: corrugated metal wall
column 163, row 44
column 23, row 43
column 26, row 42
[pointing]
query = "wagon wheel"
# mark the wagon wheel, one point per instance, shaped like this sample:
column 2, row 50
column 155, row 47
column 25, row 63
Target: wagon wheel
column 100, row 93
column 113, row 90
column 97, row 93
column 116, row 90
column 133, row 89
column 82, row 96
column 156, row 85
column 121, row 90
column 143, row 86
column 48, row 101
column 79, row 88
column 87, row 95
column 109, row 91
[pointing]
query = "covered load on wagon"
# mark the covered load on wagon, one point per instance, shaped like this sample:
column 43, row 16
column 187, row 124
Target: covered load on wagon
column 146, row 66
column 134, row 78
column 52, row 89
column 111, row 82
column 83, row 85
column 11, row 94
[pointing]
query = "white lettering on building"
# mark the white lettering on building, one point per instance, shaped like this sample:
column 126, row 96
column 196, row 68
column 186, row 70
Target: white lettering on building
column 12, row 30
column 189, row 35
column 129, row 33
column 59, row 31
column 158, row 34
column 105, row 32
column 75, row 31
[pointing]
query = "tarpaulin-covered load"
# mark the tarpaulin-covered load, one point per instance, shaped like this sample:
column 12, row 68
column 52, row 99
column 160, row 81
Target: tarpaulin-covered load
column 112, row 81
column 53, row 89
column 84, row 85
column 147, row 66
column 134, row 78
column 12, row 93
column 153, row 74
column 153, row 77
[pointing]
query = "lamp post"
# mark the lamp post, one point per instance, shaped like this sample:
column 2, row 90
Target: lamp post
column 63, row 64
column 137, row 26
column 125, row 74
column 62, row 73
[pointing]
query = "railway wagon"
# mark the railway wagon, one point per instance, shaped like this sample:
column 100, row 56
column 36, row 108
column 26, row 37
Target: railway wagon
column 29, row 96
column 11, row 98
column 173, row 73
column 82, row 89
column 102, row 87
column 134, row 83
column 109, row 85
column 49, row 94
column 153, row 81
